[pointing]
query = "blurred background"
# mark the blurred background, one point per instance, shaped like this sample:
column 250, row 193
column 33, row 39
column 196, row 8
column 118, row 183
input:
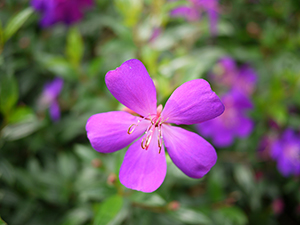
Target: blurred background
column 54, row 57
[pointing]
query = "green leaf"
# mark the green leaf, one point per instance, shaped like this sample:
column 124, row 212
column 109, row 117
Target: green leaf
column 130, row 9
column 190, row 216
column 1, row 37
column 8, row 93
column 58, row 65
column 244, row 177
column 77, row 216
column 67, row 165
column 2, row 222
column 75, row 48
column 20, row 114
column 148, row 199
column 16, row 22
column 86, row 153
column 233, row 214
column 20, row 130
column 94, row 67
column 7, row 172
column 108, row 210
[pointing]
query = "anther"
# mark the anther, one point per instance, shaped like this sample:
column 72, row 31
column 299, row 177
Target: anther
column 159, row 146
column 131, row 128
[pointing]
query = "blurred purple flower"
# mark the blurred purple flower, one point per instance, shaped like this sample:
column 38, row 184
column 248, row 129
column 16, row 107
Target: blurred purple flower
column 246, row 80
column 225, row 72
column 194, row 10
column 49, row 97
column 144, row 166
column 65, row 11
column 286, row 151
column 232, row 123
column 228, row 74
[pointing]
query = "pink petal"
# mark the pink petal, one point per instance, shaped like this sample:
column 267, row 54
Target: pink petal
column 107, row 132
column 131, row 85
column 144, row 170
column 193, row 102
column 189, row 152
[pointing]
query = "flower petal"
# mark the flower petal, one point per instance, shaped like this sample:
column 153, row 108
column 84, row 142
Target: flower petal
column 131, row 85
column 189, row 13
column 245, row 127
column 54, row 111
column 107, row 132
column 193, row 102
column 189, row 152
column 144, row 170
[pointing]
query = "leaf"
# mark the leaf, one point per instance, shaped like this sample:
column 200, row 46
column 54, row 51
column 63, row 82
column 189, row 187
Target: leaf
column 20, row 114
column 67, row 165
column 108, row 210
column 94, row 67
column 2, row 222
column 86, row 153
column 1, row 37
column 130, row 9
column 190, row 216
column 20, row 130
column 8, row 93
column 233, row 214
column 74, row 48
column 148, row 199
column 244, row 177
column 16, row 22
column 58, row 65
column 77, row 216
column 7, row 172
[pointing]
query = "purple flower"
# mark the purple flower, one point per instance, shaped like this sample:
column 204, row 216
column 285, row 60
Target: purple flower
column 225, row 72
column 194, row 10
column 246, row 80
column 144, row 166
column 228, row 74
column 232, row 123
column 49, row 97
column 65, row 11
column 286, row 151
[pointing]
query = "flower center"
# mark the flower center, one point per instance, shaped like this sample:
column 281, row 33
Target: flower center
column 156, row 122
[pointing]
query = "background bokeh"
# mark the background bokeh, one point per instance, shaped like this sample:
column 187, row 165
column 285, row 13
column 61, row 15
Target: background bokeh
column 50, row 174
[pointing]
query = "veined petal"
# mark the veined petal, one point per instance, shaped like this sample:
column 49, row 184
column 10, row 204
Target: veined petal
column 193, row 102
column 144, row 170
column 107, row 132
column 189, row 152
column 131, row 85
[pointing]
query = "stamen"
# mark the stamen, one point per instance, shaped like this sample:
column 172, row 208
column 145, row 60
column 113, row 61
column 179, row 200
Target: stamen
column 159, row 146
column 131, row 128
column 160, row 140
column 142, row 143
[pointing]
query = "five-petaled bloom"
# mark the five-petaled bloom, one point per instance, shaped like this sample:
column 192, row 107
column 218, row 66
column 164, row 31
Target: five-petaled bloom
column 65, row 11
column 49, row 97
column 144, row 166
column 286, row 151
